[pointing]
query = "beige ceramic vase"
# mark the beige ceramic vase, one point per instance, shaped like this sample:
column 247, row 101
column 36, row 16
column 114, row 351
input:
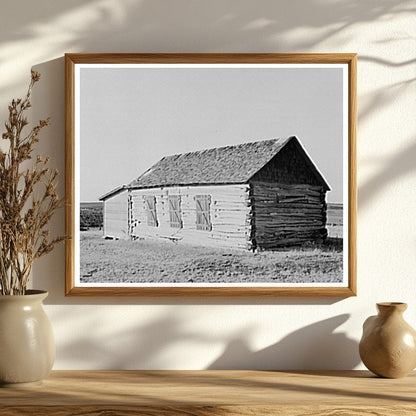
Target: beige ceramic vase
column 27, row 347
column 388, row 344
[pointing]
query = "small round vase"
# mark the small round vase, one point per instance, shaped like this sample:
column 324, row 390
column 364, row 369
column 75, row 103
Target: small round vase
column 27, row 347
column 388, row 345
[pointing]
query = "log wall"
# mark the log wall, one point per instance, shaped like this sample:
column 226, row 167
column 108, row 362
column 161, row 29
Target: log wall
column 286, row 214
column 229, row 215
column 115, row 216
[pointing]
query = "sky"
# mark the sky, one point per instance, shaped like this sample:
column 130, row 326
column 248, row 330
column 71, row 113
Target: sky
column 132, row 117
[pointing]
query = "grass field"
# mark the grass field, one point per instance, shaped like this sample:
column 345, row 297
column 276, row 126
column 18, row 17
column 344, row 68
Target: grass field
column 144, row 261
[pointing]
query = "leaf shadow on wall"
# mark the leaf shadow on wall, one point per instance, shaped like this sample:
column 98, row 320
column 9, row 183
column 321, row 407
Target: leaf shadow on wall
column 246, row 28
column 150, row 26
column 313, row 347
column 144, row 346
column 263, row 26
column 393, row 167
column 396, row 167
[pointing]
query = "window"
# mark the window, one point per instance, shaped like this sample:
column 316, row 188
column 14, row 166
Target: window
column 175, row 211
column 151, row 211
column 203, row 220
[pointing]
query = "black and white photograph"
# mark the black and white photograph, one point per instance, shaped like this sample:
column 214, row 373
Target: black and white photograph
column 212, row 175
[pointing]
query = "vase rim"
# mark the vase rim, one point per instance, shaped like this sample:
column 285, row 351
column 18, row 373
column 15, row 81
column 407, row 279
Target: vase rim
column 400, row 306
column 30, row 293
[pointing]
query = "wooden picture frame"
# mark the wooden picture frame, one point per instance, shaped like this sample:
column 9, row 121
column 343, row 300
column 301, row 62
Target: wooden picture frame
column 100, row 104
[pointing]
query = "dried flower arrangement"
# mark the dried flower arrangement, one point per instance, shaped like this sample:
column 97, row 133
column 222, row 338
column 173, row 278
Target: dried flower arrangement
column 28, row 199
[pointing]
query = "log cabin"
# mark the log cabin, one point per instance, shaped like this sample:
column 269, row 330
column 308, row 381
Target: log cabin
column 259, row 195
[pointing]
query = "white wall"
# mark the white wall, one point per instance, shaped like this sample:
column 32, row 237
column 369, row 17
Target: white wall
column 198, row 333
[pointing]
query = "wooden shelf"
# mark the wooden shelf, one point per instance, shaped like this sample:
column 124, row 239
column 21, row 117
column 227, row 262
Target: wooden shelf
column 203, row 393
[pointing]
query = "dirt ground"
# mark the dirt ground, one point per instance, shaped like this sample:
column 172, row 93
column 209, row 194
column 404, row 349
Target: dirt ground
column 154, row 261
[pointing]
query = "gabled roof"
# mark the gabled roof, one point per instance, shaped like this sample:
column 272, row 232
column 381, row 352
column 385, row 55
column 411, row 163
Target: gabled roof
column 221, row 165
column 113, row 192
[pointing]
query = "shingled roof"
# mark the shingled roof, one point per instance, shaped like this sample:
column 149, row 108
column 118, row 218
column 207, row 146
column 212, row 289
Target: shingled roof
column 221, row 165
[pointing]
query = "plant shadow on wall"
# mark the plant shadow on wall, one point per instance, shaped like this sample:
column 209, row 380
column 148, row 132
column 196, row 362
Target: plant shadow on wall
column 150, row 26
column 316, row 346
column 246, row 28
column 402, row 163
column 242, row 27
column 144, row 346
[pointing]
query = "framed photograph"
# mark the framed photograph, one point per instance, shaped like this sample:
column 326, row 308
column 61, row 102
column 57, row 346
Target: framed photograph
column 211, row 174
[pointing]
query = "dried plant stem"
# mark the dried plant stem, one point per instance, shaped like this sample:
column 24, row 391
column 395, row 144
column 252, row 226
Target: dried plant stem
column 23, row 217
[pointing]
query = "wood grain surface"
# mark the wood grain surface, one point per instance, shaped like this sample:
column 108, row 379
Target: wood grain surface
column 203, row 393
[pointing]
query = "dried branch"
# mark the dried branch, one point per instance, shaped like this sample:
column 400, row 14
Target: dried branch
column 23, row 218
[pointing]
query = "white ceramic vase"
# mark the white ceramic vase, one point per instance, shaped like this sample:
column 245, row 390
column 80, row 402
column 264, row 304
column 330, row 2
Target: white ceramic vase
column 27, row 347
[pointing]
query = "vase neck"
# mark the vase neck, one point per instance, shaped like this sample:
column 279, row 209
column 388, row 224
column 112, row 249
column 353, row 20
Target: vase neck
column 391, row 308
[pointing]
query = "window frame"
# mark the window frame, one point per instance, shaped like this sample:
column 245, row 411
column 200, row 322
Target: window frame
column 151, row 210
column 175, row 211
column 201, row 202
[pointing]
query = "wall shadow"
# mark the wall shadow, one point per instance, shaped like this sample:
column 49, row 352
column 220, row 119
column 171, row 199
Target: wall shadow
column 396, row 167
column 243, row 27
column 150, row 26
column 316, row 346
column 144, row 346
